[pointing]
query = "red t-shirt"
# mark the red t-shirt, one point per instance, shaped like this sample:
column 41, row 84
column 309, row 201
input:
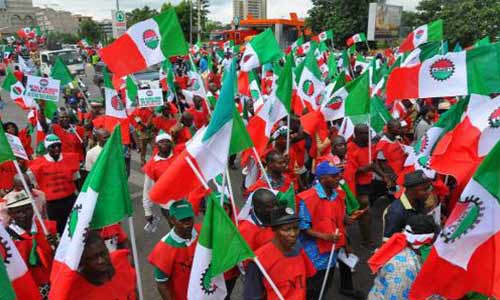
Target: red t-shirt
column 7, row 173
column 19, row 75
column 357, row 157
column 289, row 273
column 165, row 124
column 154, row 169
column 109, row 123
column 200, row 118
column 70, row 140
column 56, row 179
column 256, row 236
column 120, row 287
column 393, row 153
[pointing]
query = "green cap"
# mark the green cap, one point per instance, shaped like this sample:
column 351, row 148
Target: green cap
column 96, row 101
column 181, row 210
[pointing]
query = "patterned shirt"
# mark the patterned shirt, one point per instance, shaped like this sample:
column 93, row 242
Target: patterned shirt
column 395, row 278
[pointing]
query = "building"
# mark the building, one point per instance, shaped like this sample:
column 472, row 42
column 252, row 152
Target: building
column 80, row 18
column 57, row 20
column 16, row 14
column 106, row 27
column 256, row 8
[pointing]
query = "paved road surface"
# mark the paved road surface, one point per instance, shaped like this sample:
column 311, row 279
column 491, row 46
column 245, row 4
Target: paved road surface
column 146, row 241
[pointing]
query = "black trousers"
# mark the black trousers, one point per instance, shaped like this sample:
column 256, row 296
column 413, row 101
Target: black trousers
column 314, row 284
column 59, row 210
column 230, row 286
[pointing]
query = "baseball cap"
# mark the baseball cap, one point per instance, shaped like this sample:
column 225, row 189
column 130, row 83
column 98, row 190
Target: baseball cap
column 327, row 168
column 181, row 210
column 51, row 139
column 162, row 135
column 415, row 178
column 283, row 215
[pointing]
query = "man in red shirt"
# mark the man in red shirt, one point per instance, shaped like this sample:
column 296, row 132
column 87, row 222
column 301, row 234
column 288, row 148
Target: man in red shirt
column 172, row 257
column 142, row 120
column 72, row 137
column 154, row 168
column 102, row 275
column 390, row 154
column 256, row 216
column 166, row 120
column 283, row 259
column 34, row 247
column 183, row 130
column 359, row 175
column 199, row 112
column 18, row 74
column 55, row 174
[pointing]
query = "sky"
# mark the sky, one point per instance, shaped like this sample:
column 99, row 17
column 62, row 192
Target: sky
column 220, row 10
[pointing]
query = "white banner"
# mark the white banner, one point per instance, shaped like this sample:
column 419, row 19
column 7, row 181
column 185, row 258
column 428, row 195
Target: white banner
column 16, row 146
column 42, row 88
column 150, row 97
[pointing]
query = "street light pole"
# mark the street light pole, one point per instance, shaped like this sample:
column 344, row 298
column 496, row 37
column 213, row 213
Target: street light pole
column 199, row 20
column 190, row 22
column 117, row 5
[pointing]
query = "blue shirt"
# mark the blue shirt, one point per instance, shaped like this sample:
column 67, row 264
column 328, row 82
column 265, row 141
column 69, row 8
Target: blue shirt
column 203, row 64
column 320, row 261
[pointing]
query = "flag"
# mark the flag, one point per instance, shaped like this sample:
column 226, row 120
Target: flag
column 458, row 48
column 482, row 42
column 103, row 201
column 464, row 257
column 357, row 38
column 114, row 105
column 131, row 92
column 262, row 48
column 287, row 198
column 228, row 46
column 61, row 72
column 274, row 109
column 167, row 80
column 255, row 93
column 6, row 153
column 26, row 33
column 421, row 53
column 220, row 247
column 332, row 66
column 19, row 278
column 310, row 84
column 461, row 150
column 325, row 35
column 351, row 100
column 351, row 202
column 476, row 71
column 145, row 44
column 423, row 34
column 6, row 290
column 17, row 91
column 207, row 152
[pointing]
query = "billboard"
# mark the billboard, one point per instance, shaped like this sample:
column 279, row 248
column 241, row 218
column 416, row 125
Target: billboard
column 384, row 21
column 119, row 23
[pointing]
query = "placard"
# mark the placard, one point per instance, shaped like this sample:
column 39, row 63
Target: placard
column 42, row 88
column 16, row 146
column 150, row 97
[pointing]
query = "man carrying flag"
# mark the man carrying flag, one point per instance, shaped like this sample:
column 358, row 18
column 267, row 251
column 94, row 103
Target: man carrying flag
column 283, row 258
column 172, row 257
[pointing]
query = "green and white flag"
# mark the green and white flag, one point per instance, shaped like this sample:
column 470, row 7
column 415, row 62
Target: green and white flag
column 6, row 153
column 103, row 201
column 61, row 72
column 114, row 105
column 357, row 38
column 310, row 83
column 351, row 100
column 255, row 93
column 220, row 247
column 263, row 48
column 131, row 91
column 325, row 35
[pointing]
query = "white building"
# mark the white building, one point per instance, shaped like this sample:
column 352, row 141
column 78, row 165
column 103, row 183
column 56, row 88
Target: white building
column 57, row 20
column 15, row 14
column 107, row 27
column 256, row 8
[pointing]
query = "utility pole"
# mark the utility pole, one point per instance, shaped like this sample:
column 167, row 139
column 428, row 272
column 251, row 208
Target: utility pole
column 190, row 22
column 117, row 5
column 199, row 21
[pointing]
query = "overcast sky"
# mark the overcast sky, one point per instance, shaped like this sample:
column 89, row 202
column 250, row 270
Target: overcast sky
column 220, row 10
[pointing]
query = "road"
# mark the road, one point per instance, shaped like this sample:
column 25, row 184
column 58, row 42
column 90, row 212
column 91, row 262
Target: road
column 146, row 241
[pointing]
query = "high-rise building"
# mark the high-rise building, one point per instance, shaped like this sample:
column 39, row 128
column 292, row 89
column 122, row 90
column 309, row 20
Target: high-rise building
column 256, row 8
column 57, row 20
column 15, row 14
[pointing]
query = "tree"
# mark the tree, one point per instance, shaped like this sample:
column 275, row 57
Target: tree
column 183, row 14
column 465, row 21
column 409, row 21
column 140, row 14
column 91, row 31
column 345, row 17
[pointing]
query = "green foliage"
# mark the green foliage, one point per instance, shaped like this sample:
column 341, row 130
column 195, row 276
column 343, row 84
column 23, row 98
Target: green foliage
column 91, row 31
column 345, row 17
column 465, row 21
column 140, row 14
column 56, row 39
column 183, row 13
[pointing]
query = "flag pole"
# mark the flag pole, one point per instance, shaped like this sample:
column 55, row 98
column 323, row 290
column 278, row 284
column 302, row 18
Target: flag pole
column 135, row 257
column 264, row 173
column 268, row 278
column 231, row 197
column 330, row 258
column 197, row 173
column 224, row 178
column 32, row 200
column 288, row 134
column 369, row 140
